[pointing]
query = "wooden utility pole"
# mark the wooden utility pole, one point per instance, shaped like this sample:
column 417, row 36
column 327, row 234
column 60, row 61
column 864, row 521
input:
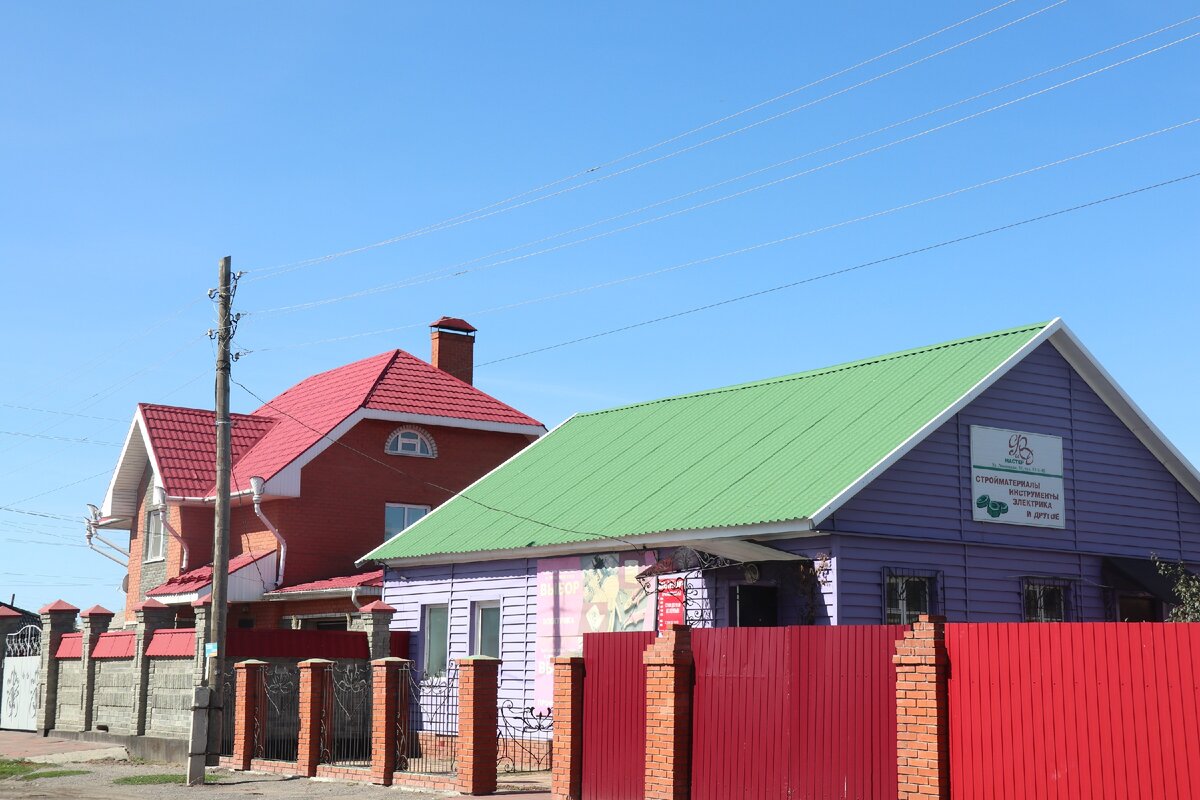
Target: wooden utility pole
column 209, row 698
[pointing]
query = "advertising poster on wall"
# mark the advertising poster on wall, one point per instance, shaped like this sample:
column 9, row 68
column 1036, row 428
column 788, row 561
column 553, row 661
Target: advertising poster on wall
column 672, row 595
column 586, row 594
column 1017, row 478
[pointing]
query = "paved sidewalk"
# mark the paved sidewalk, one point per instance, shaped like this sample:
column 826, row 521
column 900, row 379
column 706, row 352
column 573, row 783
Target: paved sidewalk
column 52, row 750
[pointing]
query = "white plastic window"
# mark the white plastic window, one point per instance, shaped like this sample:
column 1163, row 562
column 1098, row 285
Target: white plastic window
column 398, row 516
column 410, row 442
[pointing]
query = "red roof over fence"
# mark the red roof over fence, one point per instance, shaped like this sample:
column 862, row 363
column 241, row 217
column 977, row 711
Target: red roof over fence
column 115, row 644
column 70, row 646
column 373, row 578
column 200, row 577
column 172, row 642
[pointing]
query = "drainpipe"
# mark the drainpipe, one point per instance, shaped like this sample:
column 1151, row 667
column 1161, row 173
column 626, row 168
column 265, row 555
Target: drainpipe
column 91, row 533
column 160, row 500
column 256, row 490
column 354, row 598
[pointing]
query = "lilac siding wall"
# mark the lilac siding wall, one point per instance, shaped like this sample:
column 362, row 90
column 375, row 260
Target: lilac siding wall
column 513, row 583
column 1119, row 501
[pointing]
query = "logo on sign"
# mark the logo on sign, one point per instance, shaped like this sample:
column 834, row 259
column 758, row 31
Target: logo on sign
column 994, row 508
column 1018, row 449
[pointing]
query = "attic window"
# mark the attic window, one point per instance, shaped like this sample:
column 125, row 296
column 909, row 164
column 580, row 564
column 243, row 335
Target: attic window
column 409, row 441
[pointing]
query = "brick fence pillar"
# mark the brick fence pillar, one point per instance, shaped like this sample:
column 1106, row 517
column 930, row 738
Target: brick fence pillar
column 922, row 711
column 57, row 618
column 386, row 676
column 96, row 621
column 377, row 622
column 151, row 616
column 669, row 715
column 246, row 708
column 312, row 706
column 566, row 781
column 478, row 686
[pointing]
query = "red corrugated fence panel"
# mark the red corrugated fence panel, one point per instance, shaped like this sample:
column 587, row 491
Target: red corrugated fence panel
column 115, row 644
column 259, row 643
column 70, row 646
column 614, row 715
column 171, row 642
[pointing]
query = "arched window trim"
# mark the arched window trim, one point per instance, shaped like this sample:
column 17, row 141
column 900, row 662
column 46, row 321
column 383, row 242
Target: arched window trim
column 423, row 437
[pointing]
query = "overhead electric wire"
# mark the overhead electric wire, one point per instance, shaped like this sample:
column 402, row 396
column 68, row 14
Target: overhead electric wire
column 503, row 206
column 462, row 269
column 845, row 270
column 781, row 240
column 71, row 439
column 58, row 412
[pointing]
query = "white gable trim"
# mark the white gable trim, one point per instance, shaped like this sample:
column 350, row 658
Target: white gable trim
column 120, row 500
column 958, row 405
column 286, row 482
column 1083, row 362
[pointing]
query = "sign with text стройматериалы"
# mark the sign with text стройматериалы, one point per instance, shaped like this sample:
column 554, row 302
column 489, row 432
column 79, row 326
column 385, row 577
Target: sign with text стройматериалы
column 1017, row 478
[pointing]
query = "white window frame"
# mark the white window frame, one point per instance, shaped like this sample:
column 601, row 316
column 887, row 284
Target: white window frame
column 407, row 507
column 156, row 542
column 425, row 630
column 932, row 582
column 477, row 626
column 423, row 438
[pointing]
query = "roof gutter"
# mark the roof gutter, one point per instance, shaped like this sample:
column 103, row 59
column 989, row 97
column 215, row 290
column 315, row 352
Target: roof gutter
column 256, row 488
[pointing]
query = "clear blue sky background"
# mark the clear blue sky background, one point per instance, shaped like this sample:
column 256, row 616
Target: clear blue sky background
column 141, row 142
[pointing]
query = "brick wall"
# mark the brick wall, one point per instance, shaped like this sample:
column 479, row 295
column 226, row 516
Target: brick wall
column 169, row 702
column 113, row 703
column 69, row 709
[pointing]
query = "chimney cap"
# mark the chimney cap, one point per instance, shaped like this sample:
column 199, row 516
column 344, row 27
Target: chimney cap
column 453, row 324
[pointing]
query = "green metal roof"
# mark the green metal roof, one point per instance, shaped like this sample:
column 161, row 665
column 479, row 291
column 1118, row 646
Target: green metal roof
column 769, row 451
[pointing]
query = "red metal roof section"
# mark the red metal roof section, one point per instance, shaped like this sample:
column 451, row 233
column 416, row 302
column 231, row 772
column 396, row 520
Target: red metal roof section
column 5, row 612
column 169, row 642
column 115, row 644
column 97, row 611
column 454, row 324
column 57, row 605
column 70, row 646
column 378, row 605
column 411, row 386
column 196, row 579
column 184, row 443
column 374, row 578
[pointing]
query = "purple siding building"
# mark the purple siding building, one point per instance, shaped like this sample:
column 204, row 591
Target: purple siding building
column 1004, row 477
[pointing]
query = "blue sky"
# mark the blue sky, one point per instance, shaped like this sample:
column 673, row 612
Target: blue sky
column 141, row 142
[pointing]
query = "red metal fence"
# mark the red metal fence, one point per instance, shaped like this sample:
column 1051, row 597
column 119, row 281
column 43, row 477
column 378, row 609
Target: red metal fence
column 794, row 712
column 614, row 715
column 243, row 643
column 1075, row 710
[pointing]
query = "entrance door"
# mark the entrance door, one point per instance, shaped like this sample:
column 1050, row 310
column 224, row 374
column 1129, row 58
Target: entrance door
column 19, row 692
column 753, row 607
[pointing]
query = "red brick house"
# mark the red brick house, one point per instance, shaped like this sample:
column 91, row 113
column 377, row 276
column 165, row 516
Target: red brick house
column 321, row 474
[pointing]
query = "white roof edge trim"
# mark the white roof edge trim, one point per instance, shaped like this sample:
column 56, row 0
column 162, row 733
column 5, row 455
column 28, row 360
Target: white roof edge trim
column 786, row 529
column 290, row 474
column 469, row 487
column 958, row 405
column 1122, row 405
column 138, row 424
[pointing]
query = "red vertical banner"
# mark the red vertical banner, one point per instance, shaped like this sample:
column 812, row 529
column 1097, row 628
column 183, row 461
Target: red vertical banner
column 671, row 602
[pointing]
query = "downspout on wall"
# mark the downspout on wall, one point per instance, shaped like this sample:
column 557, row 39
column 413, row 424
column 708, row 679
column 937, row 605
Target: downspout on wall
column 256, row 489
column 160, row 502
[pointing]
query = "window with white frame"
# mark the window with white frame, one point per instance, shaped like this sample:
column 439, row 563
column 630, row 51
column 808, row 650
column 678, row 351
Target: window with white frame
column 908, row 596
column 398, row 516
column 156, row 539
column 410, row 441
column 486, row 624
column 436, row 640
column 1046, row 599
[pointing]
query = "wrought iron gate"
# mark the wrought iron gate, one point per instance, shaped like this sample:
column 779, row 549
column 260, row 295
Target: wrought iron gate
column 427, row 726
column 523, row 738
column 277, row 732
column 22, row 665
column 346, row 715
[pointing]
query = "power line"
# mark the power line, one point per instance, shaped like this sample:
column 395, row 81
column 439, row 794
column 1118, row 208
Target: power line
column 456, row 271
column 46, row 514
column 791, row 237
column 502, row 206
column 59, row 438
column 450, row 492
column 845, row 270
column 60, row 413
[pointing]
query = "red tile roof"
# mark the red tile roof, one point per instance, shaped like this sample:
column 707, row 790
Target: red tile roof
column 183, row 439
column 116, row 644
column 373, row 578
column 196, row 579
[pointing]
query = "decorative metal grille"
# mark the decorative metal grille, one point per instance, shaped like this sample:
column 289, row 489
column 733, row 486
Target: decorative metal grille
column 427, row 725
column 228, row 695
column 908, row 593
column 277, row 732
column 1050, row 599
column 523, row 738
column 25, row 642
column 346, row 715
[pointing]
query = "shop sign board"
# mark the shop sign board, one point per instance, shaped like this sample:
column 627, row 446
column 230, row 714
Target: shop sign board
column 1017, row 477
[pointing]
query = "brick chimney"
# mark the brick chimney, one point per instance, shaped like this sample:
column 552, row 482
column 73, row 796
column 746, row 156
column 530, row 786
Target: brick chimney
column 454, row 347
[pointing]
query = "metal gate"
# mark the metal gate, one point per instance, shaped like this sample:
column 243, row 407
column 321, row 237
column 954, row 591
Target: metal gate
column 22, row 665
column 614, row 715
column 427, row 723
